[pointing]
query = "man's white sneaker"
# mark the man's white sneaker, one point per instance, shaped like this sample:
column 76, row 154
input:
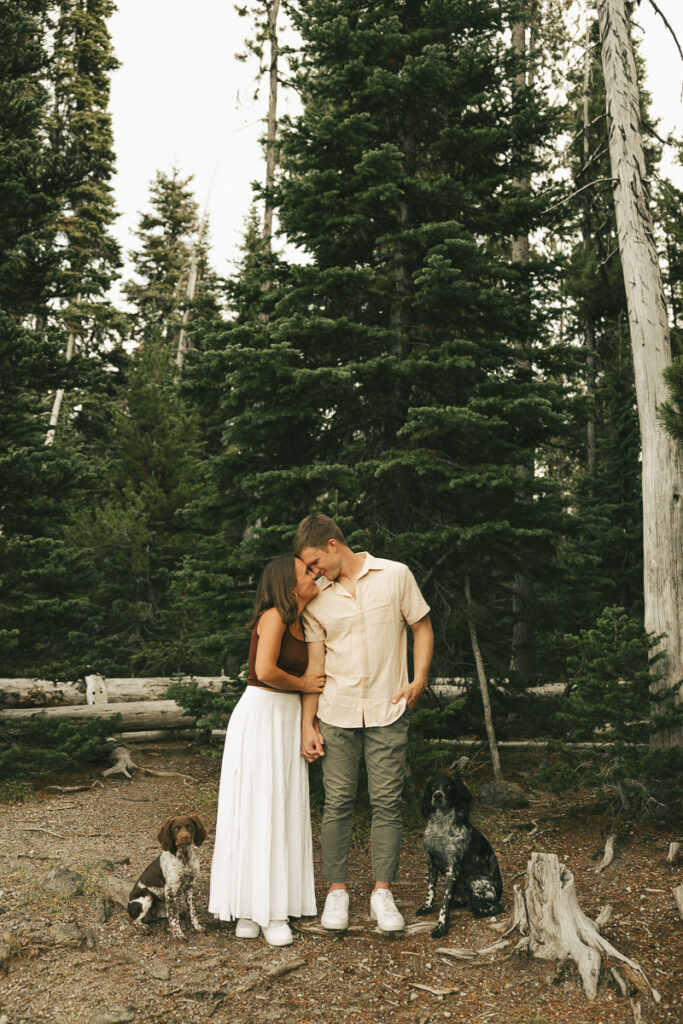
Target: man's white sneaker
column 335, row 916
column 246, row 929
column 278, row 933
column 383, row 910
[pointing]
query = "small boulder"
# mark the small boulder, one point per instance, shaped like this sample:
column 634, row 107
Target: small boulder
column 502, row 794
column 117, row 889
column 114, row 1015
column 63, row 882
column 160, row 971
column 65, row 934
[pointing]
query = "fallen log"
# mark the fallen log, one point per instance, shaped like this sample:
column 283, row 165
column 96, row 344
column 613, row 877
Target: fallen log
column 120, row 691
column 96, row 689
column 553, row 926
column 135, row 716
column 33, row 693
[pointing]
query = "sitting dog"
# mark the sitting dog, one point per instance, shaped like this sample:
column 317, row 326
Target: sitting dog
column 459, row 852
column 172, row 874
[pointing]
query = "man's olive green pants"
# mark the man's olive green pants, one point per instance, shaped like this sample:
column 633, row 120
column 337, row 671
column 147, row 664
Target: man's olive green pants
column 384, row 750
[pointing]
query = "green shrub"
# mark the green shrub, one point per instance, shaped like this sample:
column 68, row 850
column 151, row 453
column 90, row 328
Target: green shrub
column 611, row 673
column 40, row 745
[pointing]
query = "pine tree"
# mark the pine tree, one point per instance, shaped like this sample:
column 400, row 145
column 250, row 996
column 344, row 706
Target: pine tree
column 387, row 388
column 170, row 236
column 82, row 141
column 30, row 195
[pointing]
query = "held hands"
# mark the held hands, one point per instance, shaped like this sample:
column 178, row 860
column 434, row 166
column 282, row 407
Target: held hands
column 313, row 683
column 312, row 743
column 412, row 693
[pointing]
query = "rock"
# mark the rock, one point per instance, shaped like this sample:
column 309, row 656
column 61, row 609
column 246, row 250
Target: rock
column 502, row 794
column 63, row 882
column 118, row 889
column 114, row 1015
column 103, row 908
column 64, row 934
column 6, row 953
column 160, row 971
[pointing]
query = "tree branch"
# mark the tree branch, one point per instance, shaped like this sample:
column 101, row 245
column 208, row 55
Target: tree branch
column 662, row 16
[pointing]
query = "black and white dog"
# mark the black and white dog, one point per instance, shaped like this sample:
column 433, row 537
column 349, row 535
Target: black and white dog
column 459, row 852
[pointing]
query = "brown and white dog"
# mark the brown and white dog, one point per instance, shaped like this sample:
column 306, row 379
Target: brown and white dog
column 172, row 874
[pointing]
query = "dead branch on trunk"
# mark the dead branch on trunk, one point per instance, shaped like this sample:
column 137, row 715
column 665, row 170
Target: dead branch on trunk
column 608, row 855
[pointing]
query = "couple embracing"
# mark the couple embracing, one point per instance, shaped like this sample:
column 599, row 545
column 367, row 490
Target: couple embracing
column 328, row 678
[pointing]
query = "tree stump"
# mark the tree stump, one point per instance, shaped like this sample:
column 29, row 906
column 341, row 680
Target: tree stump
column 122, row 763
column 553, row 926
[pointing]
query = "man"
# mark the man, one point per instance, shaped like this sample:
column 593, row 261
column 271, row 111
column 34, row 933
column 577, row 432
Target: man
column 360, row 617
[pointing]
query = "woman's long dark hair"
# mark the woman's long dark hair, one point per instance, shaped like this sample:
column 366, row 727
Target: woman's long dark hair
column 276, row 590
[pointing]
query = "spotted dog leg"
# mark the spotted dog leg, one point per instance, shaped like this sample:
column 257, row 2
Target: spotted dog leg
column 192, row 910
column 483, row 898
column 145, row 903
column 428, row 905
column 444, row 912
column 173, row 914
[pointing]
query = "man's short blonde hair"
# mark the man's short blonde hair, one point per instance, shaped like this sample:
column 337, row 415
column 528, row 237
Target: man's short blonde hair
column 314, row 532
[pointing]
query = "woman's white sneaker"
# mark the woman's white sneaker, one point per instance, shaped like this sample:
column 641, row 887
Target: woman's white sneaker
column 246, row 929
column 383, row 910
column 335, row 916
column 278, row 933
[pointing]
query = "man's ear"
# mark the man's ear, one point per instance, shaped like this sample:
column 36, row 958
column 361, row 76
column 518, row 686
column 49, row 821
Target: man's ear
column 332, row 545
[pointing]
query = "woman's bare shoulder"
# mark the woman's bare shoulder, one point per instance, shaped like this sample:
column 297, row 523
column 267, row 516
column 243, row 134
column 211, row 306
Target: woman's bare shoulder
column 270, row 622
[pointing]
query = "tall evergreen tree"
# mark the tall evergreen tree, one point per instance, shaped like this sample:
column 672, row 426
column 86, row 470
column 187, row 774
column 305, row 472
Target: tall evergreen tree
column 387, row 387
column 82, row 140
column 170, row 236
column 31, row 477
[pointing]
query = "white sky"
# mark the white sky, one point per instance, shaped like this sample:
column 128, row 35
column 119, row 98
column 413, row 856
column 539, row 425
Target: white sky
column 182, row 98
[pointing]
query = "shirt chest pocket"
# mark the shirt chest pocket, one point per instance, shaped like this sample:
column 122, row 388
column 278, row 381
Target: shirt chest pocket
column 380, row 612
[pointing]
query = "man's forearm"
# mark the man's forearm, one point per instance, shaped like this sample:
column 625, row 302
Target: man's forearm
column 423, row 650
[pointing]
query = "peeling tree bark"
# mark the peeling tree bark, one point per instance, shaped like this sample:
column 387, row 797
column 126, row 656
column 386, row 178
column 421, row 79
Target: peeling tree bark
column 651, row 346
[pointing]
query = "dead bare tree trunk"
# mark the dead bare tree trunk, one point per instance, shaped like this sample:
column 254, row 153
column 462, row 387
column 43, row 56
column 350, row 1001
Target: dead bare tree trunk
column 662, row 462
column 272, row 123
column 483, row 686
column 522, row 654
column 192, row 281
column 59, row 395
column 588, row 324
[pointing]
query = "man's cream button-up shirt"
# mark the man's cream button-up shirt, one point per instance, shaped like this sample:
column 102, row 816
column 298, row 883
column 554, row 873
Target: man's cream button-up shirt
column 366, row 656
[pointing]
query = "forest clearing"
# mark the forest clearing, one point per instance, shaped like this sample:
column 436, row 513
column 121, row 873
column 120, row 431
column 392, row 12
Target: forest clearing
column 98, row 968
column 455, row 326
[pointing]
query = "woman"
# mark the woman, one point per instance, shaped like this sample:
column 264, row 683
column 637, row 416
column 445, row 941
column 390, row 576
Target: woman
column 262, row 869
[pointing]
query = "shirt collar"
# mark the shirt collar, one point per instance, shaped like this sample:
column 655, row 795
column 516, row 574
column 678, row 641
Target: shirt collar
column 370, row 563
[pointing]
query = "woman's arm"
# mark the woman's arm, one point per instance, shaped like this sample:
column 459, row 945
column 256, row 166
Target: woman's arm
column 271, row 629
column 311, row 738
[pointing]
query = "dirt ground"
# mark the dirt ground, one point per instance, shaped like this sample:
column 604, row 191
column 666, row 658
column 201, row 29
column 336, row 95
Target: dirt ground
column 78, row 959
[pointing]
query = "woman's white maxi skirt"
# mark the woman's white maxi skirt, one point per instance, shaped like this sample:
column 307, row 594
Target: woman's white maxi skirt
column 262, row 864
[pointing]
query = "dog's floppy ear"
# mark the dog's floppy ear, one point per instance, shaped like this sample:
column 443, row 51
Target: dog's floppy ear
column 199, row 830
column 426, row 806
column 165, row 837
column 462, row 798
